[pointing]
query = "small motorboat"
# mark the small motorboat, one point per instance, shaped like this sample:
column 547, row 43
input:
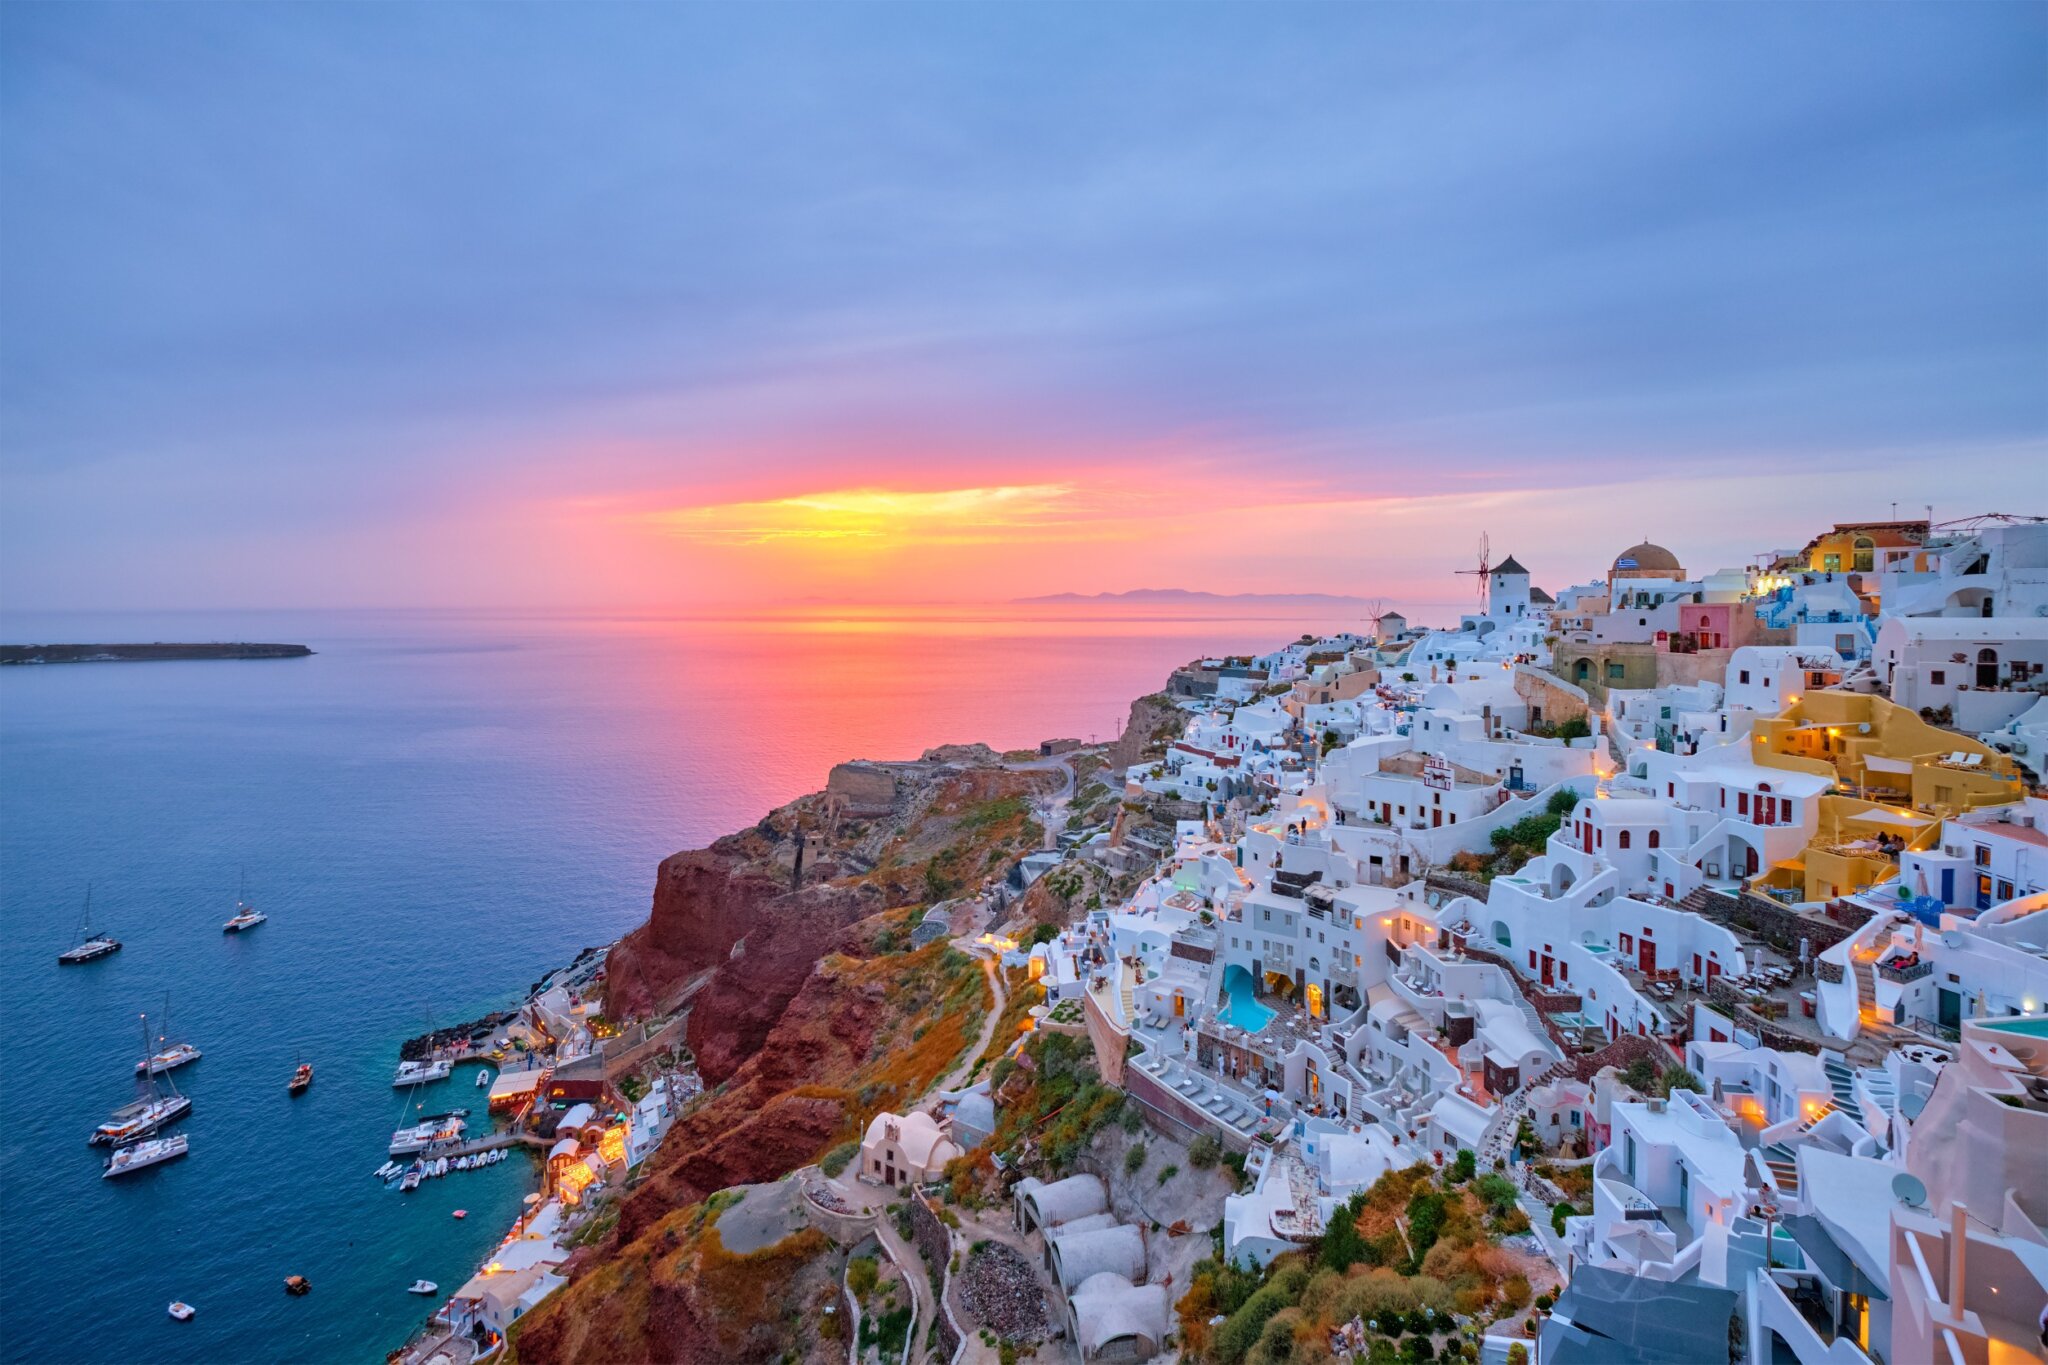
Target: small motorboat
column 301, row 1078
column 483, row 1079
column 410, row 1183
column 182, row 1310
column 298, row 1286
column 441, row 1167
column 423, row 1287
column 387, row 1170
column 462, row 1213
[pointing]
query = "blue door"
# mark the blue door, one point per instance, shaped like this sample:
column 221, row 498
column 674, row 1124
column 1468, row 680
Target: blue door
column 1948, row 886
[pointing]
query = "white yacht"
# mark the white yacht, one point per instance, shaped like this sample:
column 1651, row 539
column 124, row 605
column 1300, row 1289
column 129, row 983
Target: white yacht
column 423, row 1287
column 142, row 1154
column 169, row 1056
column 175, row 1055
column 419, row 1073
column 434, row 1128
column 246, row 916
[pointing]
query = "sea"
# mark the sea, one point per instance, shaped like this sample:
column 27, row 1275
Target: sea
column 434, row 809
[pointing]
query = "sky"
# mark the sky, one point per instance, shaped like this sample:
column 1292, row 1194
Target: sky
column 678, row 307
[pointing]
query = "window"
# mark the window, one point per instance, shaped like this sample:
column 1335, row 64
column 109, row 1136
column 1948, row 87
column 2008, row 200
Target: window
column 1938, row 677
column 1624, row 838
column 1615, row 671
column 1742, row 803
column 1653, row 838
column 1743, row 676
column 1983, row 855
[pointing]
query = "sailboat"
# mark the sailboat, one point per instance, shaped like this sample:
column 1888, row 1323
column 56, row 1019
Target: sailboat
column 92, row 944
column 246, row 916
column 137, row 1120
column 171, row 1055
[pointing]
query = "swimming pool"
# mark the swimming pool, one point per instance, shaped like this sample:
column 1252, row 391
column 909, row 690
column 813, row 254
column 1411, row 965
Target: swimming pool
column 2032, row 1028
column 1240, row 1010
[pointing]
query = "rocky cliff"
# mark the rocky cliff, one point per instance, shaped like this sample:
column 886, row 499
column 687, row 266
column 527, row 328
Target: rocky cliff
column 812, row 1013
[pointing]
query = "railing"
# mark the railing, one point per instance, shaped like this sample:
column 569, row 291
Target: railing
column 1911, row 972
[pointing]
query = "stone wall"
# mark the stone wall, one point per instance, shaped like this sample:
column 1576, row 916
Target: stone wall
column 1724, row 999
column 935, row 1243
column 1552, row 698
column 1775, row 924
column 865, row 788
column 1169, row 1111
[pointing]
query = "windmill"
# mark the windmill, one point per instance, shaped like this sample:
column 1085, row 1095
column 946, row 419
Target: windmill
column 1374, row 610
column 1485, row 569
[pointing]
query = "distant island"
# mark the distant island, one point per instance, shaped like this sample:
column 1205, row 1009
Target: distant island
column 1171, row 595
column 151, row 653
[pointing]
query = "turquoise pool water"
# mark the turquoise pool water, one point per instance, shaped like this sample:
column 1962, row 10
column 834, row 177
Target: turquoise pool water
column 2033, row 1028
column 1240, row 1009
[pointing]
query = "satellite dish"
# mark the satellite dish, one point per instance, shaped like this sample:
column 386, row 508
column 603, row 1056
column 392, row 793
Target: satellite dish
column 1864, row 728
column 1908, row 1189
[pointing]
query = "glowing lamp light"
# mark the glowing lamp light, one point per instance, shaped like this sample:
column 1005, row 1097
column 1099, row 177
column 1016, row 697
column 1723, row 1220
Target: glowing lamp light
column 612, row 1146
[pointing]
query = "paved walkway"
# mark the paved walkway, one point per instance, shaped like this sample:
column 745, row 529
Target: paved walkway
column 955, row 1078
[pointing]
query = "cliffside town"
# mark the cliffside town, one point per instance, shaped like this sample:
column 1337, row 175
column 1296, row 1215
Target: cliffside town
column 1652, row 970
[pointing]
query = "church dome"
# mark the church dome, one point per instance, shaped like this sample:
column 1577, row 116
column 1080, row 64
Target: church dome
column 1647, row 561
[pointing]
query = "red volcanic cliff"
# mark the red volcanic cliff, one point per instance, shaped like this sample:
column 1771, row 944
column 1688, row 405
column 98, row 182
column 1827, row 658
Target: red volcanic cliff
column 706, row 902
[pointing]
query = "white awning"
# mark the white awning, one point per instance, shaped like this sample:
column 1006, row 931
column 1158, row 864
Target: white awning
column 1878, row 763
column 1884, row 815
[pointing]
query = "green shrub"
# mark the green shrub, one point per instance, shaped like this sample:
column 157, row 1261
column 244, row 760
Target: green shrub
column 1562, row 802
column 1497, row 1191
column 1243, row 1327
column 1205, row 1151
column 861, row 1276
column 1134, row 1159
column 835, row 1161
column 1462, row 1166
column 1558, row 1214
column 1168, row 1172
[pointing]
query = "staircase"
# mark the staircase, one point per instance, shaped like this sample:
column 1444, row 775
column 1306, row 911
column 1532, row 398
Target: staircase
column 1879, row 1082
column 1807, row 1124
column 1783, row 1165
column 1537, row 1028
column 1841, row 1080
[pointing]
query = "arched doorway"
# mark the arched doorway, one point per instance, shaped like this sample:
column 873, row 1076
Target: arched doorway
column 1987, row 668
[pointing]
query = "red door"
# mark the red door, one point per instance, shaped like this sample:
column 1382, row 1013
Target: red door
column 1436, row 818
column 1546, row 969
column 1586, row 838
column 1646, row 957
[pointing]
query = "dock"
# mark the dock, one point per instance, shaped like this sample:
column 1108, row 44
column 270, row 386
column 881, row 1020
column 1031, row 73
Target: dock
column 490, row 1144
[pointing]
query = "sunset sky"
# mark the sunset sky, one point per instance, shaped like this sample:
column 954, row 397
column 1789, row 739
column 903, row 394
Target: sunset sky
column 667, row 307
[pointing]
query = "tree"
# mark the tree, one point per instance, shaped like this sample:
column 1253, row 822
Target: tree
column 1562, row 802
column 1678, row 1078
column 1640, row 1075
column 1426, row 1212
column 1462, row 1166
column 1574, row 727
column 1342, row 1246
column 1518, row 1354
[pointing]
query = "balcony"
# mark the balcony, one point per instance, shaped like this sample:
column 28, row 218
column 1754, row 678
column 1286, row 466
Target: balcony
column 1905, row 971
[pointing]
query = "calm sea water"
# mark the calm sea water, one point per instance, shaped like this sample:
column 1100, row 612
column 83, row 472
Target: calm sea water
column 434, row 810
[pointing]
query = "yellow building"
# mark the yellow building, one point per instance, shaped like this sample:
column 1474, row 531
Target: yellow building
column 1898, row 777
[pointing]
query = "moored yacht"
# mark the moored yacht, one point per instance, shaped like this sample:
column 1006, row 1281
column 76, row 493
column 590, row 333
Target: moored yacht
column 301, row 1078
column 169, row 1055
column 432, row 1129
column 419, row 1073
column 246, row 916
column 142, row 1117
column 176, row 1055
column 137, row 1156
column 92, row 944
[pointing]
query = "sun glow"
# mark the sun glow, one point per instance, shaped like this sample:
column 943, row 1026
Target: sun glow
column 951, row 516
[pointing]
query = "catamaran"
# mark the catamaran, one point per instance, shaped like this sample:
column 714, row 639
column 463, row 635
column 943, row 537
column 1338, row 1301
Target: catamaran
column 137, row 1120
column 246, row 916
column 92, row 944
column 136, row 1156
column 170, row 1057
column 419, row 1073
column 431, row 1130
